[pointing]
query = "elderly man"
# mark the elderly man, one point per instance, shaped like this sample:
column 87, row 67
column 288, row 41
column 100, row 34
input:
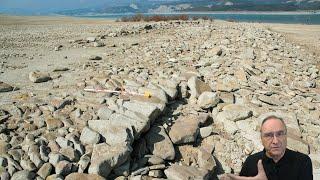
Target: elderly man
column 275, row 162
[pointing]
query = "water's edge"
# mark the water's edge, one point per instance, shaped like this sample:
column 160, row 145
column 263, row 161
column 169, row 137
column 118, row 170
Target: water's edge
column 263, row 17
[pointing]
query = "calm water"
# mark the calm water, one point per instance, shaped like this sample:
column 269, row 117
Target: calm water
column 267, row 18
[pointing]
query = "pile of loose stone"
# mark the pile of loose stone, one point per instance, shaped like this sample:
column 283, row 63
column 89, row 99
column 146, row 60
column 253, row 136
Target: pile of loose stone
column 193, row 95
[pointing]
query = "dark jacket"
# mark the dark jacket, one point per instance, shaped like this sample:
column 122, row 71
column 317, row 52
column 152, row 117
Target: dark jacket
column 292, row 166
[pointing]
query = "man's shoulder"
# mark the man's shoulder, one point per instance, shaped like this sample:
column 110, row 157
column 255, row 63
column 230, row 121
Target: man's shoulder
column 297, row 155
column 255, row 156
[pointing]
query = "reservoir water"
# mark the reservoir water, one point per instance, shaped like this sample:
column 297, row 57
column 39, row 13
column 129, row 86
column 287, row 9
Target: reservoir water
column 289, row 18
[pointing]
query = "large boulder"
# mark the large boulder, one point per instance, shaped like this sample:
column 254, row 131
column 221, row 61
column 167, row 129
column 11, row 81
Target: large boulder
column 89, row 136
column 184, row 130
column 24, row 174
column 208, row 100
column 105, row 157
column 159, row 143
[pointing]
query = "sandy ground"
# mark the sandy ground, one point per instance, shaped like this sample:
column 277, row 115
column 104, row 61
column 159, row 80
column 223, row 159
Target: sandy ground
column 31, row 40
column 305, row 35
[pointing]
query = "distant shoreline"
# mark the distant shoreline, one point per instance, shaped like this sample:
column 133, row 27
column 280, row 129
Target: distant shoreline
column 180, row 12
column 209, row 12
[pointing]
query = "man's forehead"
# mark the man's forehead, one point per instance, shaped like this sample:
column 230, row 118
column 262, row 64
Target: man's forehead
column 273, row 123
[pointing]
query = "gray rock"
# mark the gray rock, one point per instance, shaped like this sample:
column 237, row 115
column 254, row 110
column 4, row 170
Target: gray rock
column 159, row 144
column 70, row 153
column 206, row 160
column 184, row 130
column 227, row 97
column 208, row 100
column 5, row 176
column 24, row 174
column 206, row 131
column 88, row 136
column 39, row 77
column 234, row 112
column 227, row 84
column 54, row 158
column 154, row 160
column 45, row 170
column 36, row 159
column 83, row 163
column 104, row 112
column 177, row 172
column 53, row 123
column 63, row 168
column 156, row 173
column 55, row 177
column 4, row 87
column 271, row 100
column 98, row 44
column 113, row 133
column 105, row 157
column 3, row 162
column 94, row 57
column 91, row 39
column 298, row 144
column 44, row 153
column 154, row 92
column 134, row 122
column 216, row 51
column 248, row 54
column 63, row 142
column 27, row 165
column 83, row 176
column 60, row 103
column 148, row 110
column 197, row 87
column 170, row 87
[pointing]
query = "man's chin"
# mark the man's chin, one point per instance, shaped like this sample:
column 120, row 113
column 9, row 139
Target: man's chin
column 276, row 151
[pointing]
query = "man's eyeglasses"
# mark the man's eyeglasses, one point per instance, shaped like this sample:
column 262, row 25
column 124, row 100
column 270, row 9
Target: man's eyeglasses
column 270, row 135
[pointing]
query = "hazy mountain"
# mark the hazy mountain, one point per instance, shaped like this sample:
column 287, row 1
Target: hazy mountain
column 165, row 6
column 86, row 7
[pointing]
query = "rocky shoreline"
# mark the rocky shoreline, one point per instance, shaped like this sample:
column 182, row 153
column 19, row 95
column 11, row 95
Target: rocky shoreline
column 179, row 100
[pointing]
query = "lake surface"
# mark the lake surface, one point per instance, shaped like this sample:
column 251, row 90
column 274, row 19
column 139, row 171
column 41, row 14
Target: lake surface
column 289, row 18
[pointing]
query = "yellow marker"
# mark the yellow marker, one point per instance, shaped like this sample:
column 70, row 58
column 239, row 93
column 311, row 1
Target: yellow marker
column 147, row 94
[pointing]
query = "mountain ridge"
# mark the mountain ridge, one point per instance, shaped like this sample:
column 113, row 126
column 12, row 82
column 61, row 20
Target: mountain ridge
column 174, row 6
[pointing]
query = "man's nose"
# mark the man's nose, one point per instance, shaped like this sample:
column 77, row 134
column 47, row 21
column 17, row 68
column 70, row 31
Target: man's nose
column 275, row 139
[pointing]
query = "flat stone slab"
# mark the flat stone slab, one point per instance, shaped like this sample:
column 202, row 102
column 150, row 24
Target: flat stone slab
column 148, row 110
column 112, row 132
column 234, row 112
column 138, row 125
column 228, row 84
column 177, row 172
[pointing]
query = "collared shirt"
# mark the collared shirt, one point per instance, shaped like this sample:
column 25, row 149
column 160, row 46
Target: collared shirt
column 292, row 166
